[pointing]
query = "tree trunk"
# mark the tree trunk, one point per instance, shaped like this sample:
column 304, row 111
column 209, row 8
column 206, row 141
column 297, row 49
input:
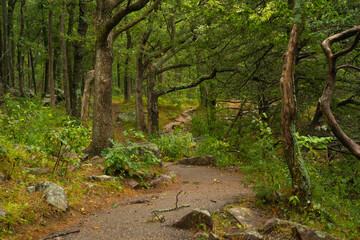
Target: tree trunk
column 118, row 74
column 325, row 99
column 78, row 56
column 6, row 51
column 11, row 7
column 89, row 83
column 1, row 60
column 46, row 43
column 299, row 175
column 64, row 63
column 51, row 62
column 20, row 55
column 127, row 78
column 33, row 71
column 153, row 106
column 139, row 105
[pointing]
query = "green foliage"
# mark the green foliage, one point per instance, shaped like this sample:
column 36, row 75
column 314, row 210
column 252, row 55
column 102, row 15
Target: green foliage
column 265, row 171
column 131, row 160
column 209, row 145
column 71, row 137
column 175, row 145
column 313, row 142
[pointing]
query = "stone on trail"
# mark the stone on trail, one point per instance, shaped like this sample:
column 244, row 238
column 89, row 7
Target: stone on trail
column 199, row 235
column 205, row 160
column 54, row 194
column 161, row 180
column 194, row 218
column 247, row 217
column 248, row 234
column 134, row 184
column 102, row 178
column 2, row 177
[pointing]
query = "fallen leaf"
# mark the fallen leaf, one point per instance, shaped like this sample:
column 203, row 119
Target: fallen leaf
column 96, row 227
column 149, row 203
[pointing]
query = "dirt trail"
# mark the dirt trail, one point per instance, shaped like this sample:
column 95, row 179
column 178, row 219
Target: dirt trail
column 134, row 221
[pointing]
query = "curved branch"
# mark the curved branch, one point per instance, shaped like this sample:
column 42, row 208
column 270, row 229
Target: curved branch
column 325, row 99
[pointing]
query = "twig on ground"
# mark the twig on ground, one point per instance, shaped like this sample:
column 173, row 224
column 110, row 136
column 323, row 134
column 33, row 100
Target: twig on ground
column 172, row 209
column 62, row 234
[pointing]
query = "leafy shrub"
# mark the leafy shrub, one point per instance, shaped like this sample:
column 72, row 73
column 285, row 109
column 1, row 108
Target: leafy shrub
column 209, row 145
column 71, row 137
column 265, row 171
column 175, row 145
column 126, row 160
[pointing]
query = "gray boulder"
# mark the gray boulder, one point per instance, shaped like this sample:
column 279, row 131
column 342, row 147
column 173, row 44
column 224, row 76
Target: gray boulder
column 213, row 236
column 2, row 212
column 152, row 147
column 134, row 184
column 248, row 234
column 54, row 194
column 31, row 189
column 299, row 231
column 160, row 180
column 199, row 160
column 126, row 117
column 247, row 217
column 194, row 218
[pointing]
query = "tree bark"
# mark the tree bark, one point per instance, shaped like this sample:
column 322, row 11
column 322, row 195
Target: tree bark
column 127, row 78
column 33, row 71
column 89, row 83
column 51, row 61
column 299, row 175
column 78, row 56
column 153, row 105
column 64, row 63
column 325, row 99
column 20, row 55
column 6, row 51
column 11, row 8
column 139, row 105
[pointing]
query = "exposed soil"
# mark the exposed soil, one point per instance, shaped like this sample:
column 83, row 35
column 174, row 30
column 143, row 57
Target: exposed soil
column 202, row 187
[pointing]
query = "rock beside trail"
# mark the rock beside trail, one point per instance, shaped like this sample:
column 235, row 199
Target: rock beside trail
column 247, row 217
column 36, row 170
column 152, row 147
column 102, row 178
column 54, row 194
column 248, row 234
column 194, row 218
column 161, row 180
column 126, row 117
column 199, row 160
column 134, row 184
column 2, row 212
column 2, row 177
column 299, row 231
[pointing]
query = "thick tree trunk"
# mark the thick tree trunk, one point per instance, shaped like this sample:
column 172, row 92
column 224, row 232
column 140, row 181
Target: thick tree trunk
column 325, row 99
column 1, row 59
column 89, row 83
column 153, row 106
column 299, row 175
column 64, row 63
column 20, row 55
column 78, row 56
column 51, row 62
column 69, row 47
column 139, row 105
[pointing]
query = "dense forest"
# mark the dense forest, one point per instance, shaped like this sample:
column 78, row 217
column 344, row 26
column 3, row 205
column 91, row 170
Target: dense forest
column 273, row 87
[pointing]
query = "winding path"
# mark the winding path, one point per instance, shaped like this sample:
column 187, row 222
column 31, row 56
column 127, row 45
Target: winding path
column 203, row 187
